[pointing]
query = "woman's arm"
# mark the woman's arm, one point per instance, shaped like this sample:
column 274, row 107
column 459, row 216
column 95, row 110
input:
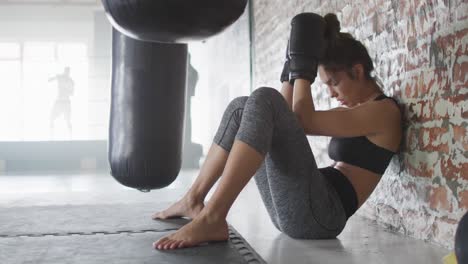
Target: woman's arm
column 287, row 92
column 341, row 122
column 302, row 104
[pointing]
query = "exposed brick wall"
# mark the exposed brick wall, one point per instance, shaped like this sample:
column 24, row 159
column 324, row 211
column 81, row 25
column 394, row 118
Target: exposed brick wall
column 419, row 49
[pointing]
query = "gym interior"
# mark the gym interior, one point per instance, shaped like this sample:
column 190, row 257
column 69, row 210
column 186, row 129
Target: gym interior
column 62, row 201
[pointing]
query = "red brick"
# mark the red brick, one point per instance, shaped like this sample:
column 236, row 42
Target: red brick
column 418, row 60
column 411, row 138
column 439, row 200
column 460, row 34
column 422, row 87
column 420, row 170
column 463, row 199
column 446, row 42
column 458, row 98
column 460, row 135
column 418, row 112
column 435, row 134
column 412, row 86
column 415, row 85
column 459, row 132
column 465, row 114
column 443, row 83
column 452, row 171
column 460, row 51
column 408, row 90
column 459, row 73
column 432, row 82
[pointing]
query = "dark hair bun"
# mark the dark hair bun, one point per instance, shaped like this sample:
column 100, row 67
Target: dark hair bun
column 333, row 25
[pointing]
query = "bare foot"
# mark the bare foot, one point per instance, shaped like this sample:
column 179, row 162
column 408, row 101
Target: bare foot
column 202, row 229
column 183, row 208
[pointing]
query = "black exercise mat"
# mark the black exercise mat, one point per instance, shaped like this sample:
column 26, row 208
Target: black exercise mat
column 37, row 220
column 117, row 248
column 89, row 234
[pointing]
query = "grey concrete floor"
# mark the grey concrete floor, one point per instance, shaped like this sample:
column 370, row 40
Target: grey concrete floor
column 362, row 241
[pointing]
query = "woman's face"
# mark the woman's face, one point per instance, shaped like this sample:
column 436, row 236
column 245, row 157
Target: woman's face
column 340, row 85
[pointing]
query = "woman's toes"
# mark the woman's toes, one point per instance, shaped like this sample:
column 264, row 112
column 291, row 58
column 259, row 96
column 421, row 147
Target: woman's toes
column 160, row 243
column 161, row 246
column 183, row 244
column 168, row 244
column 156, row 245
column 174, row 244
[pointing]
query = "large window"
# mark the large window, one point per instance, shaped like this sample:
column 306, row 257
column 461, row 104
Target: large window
column 43, row 91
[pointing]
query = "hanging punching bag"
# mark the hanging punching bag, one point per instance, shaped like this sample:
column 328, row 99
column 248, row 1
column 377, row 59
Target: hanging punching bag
column 147, row 111
column 173, row 20
column 149, row 68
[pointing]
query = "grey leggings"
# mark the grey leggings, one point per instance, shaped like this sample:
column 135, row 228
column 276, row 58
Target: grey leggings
column 300, row 201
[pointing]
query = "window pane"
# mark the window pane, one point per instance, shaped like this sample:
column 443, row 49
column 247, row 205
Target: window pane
column 38, row 95
column 9, row 50
column 39, row 50
column 11, row 115
column 71, row 51
column 75, row 57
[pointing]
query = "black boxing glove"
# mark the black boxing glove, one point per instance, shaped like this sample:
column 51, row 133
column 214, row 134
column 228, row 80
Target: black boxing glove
column 285, row 73
column 307, row 45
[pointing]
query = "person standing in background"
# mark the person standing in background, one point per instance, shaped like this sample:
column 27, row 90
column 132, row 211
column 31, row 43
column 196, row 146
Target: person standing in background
column 62, row 104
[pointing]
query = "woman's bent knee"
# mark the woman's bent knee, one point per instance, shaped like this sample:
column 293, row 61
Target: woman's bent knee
column 266, row 92
column 238, row 102
column 269, row 96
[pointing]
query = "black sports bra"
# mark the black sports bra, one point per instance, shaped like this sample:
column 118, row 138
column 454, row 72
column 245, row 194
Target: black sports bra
column 360, row 151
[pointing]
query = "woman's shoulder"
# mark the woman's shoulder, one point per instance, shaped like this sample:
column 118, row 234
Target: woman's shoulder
column 388, row 110
column 385, row 112
column 390, row 105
